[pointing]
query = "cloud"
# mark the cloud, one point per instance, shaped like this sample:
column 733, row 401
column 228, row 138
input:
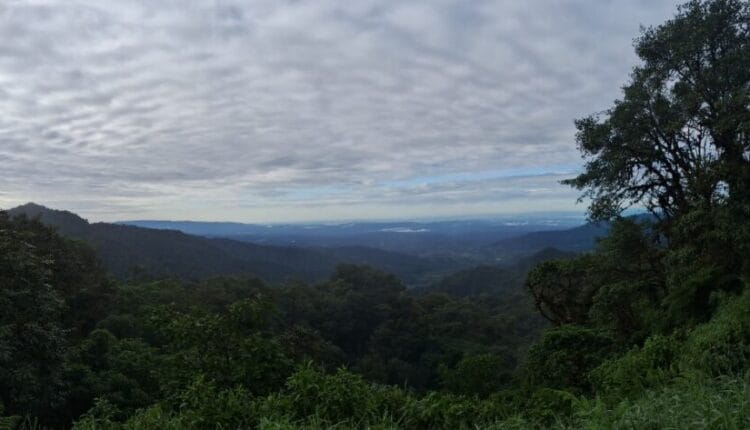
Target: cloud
column 268, row 110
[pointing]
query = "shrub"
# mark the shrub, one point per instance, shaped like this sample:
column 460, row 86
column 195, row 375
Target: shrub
column 450, row 411
column 716, row 404
column 547, row 406
column 202, row 405
column 480, row 375
column 564, row 357
column 639, row 369
column 721, row 346
column 336, row 398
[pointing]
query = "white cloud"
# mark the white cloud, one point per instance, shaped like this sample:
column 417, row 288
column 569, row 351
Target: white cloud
column 262, row 110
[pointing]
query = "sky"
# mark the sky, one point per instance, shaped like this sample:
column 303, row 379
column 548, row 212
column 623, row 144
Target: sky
column 299, row 110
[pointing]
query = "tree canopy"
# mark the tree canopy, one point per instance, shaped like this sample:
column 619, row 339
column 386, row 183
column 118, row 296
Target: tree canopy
column 679, row 138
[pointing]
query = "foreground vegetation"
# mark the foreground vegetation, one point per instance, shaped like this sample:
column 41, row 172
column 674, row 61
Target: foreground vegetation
column 650, row 330
column 360, row 351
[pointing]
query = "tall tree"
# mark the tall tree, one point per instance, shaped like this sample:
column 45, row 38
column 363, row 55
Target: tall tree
column 680, row 136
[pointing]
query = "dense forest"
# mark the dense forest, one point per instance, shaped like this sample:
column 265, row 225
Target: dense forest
column 651, row 329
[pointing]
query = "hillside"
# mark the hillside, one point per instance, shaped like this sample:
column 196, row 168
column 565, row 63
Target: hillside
column 578, row 239
column 455, row 238
column 493, row 279
column 134, row 251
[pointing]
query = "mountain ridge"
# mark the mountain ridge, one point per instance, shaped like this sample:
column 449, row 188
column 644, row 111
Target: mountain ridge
column 126, row 250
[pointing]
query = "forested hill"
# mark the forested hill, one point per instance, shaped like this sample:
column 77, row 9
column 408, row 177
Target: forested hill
column 445, row 237
column 578, row 239
column 500, row 281
column 128, row 251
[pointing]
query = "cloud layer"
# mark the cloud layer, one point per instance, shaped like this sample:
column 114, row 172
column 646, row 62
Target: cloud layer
column 291, row 110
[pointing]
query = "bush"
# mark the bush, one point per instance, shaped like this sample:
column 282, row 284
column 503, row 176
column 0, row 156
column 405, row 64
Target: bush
column 564, row 357
column 547, row 406
column 202, row 405
column 639, row 369
column 340, row 397
column 450, row 411
column 480, row 375
column 721, row 346
column 717, row 404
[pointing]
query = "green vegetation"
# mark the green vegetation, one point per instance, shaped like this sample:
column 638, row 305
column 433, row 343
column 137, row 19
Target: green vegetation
column 355, row 349
column 650, row 330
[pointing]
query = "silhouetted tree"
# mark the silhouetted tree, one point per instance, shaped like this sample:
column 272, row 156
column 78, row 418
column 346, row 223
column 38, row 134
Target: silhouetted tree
column 679, row 138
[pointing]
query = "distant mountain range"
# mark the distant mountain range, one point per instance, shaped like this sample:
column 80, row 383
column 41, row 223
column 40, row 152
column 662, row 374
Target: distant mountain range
column 418, row 253
column 448, row 228
column 577, row 239
column 454, row 238
column 129, row 251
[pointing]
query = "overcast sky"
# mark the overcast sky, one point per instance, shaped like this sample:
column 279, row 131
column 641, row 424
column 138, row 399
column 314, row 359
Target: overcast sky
column 274, row 110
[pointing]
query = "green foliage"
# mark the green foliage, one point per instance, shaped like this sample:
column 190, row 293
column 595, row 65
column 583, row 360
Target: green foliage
column 641, row 368
column 548, row 406
column 10, row 423
column 565, row 355
column 230, row 348
column 342, row 396
column 722, row 346
column 121, row 372
column 203, row 405
column 74, row 272
column 31, row 334
column 100, row 416
column 481, row 374
column 563, row 289
column 618, row 287
column 630, row 278
column 706, row 258
column 446, row 411
column 478, row 280
column 716, row 404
